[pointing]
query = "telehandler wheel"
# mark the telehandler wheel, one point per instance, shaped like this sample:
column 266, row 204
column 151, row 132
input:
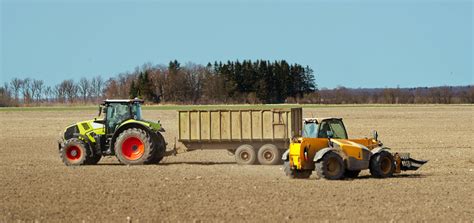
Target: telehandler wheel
column 351, row 173
column 74, row 153
column 245, row 155
column 382, row 165
column 330, row 166
column 134, row 146
column 295, row 174
column 269, row 154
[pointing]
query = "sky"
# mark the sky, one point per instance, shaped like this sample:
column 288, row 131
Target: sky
column 366, row 43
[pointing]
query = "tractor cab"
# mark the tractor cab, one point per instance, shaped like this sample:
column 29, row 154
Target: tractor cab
column 118, row 111
column 324, row 128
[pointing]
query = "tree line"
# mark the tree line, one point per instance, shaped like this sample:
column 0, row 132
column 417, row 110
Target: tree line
column 247, row 81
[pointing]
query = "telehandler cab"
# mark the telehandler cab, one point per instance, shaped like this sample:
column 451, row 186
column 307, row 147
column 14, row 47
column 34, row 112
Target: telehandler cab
column 121, row 132
column 326, row 148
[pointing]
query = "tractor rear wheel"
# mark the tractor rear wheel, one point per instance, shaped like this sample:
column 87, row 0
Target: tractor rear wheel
column 382, row 165
column 269, row 154
column 74, row 152
column 160, row 148
column 295, row 174
column 331, row 166
column 134, row 146
column 245, row 155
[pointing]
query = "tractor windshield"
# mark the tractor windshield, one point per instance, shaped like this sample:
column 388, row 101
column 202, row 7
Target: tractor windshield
column 137, row 111
column 310, row 130
column 335, row 126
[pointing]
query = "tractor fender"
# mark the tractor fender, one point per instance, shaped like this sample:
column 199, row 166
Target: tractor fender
column 285, row 156
column 319, row 155
column 379, row 150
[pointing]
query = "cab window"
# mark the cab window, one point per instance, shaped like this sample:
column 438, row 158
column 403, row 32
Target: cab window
column 116, row 113
column 310, row 130
column 137, row 111
column 335, row 126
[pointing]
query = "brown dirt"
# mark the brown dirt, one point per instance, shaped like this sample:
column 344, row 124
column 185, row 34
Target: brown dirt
column 209, row 186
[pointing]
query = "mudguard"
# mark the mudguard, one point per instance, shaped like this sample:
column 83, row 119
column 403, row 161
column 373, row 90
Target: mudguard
column 379, row 149
column 285, row 156
column 319, row 155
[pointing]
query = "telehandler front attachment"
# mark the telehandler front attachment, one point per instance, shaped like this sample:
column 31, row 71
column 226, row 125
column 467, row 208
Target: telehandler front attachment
column 405, row 162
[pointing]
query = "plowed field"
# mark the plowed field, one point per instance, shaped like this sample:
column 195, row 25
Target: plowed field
column 208, row 186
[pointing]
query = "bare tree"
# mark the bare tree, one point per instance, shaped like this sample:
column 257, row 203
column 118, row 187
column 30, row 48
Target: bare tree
column 48, row 93
column 37, row 87
column 59, row 93
column 70, row 89
column 16, row 86
column 5, row 96
column 97, row 84
column 84, row 88
column 26, row 90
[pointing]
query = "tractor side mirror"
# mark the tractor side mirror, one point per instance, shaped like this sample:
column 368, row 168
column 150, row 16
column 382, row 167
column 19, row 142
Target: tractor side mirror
column 100, row 111
column 375, row 135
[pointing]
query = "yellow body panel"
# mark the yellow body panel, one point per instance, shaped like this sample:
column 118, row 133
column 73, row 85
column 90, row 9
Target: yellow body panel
column 301, row 153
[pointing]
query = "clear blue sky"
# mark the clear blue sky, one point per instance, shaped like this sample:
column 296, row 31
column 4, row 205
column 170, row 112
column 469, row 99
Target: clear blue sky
column 352, row 43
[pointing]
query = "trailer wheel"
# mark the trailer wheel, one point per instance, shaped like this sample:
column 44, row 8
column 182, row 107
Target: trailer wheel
column 134, row 146
column 74, row 153
column 295, row 174
column 245, row 155
column 382, row 165
column 269, row 154
column 331, row 166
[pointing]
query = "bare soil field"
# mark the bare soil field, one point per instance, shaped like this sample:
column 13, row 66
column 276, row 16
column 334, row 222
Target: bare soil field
column 208, row 186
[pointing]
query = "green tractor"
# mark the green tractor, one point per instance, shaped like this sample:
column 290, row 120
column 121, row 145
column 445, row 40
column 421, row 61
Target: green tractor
column 121, row 133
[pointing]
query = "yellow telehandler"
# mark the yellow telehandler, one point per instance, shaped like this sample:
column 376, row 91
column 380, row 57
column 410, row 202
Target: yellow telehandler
column 325, row 148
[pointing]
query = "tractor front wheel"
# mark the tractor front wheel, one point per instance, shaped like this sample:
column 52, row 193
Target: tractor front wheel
column 331, row 166
column 134, row 146
column 382, row 165
column 74, row 153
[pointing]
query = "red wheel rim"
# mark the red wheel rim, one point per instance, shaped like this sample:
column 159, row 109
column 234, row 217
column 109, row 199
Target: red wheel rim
column 133, row 148
column 73, row 153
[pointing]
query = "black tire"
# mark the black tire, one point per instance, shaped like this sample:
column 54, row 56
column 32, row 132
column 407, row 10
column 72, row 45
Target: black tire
column 351, row 173
column 295, row 174
column 160, row 148
column 245, row 155
column 382, row 165
column 134, row 146
column 331, row 166
column 269, row 154
column 94, row 159
column 74, row 152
